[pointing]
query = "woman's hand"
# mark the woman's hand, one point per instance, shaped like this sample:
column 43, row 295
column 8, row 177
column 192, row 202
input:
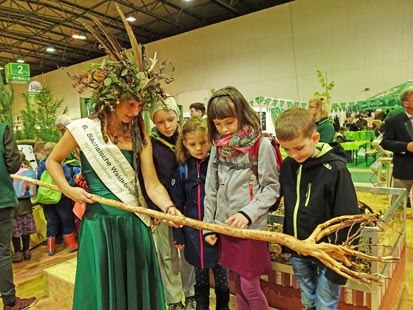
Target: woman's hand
column 179, row 246
column 78, row 194
column 237, row 220
column 211, row 239
column 172, row 210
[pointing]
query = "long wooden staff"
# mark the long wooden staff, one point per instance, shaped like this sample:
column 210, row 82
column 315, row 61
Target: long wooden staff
column 337, row 257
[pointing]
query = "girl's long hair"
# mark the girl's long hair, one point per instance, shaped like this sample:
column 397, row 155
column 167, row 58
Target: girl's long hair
column 229, row 102
column 192, row 125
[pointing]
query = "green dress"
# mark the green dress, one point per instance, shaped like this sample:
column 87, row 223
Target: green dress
column 117, row 267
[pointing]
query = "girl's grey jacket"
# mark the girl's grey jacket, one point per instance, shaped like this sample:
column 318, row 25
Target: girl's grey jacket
column 231, row 187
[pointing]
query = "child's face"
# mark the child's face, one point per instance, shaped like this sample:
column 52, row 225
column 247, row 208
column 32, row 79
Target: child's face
column 166, row 122
column 301, row 148
column 39, row 155
column 197, row 144
column 226, row 126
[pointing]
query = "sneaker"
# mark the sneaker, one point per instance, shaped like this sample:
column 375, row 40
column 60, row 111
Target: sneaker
column 17, row 257
column 190, row 303
column 27, row 255
column 176, row 306
column 21, row 304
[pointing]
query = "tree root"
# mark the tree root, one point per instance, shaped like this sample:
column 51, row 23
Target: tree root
column 340, row 258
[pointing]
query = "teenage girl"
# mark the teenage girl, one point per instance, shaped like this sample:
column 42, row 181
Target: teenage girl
column 177, row 275
column 188, row 193
column 235, row 196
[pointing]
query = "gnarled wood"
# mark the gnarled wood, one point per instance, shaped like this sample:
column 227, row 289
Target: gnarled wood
column 340, row 258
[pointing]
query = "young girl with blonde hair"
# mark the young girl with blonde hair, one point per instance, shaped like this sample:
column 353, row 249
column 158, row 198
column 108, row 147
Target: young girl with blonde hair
column 235, row 196
column 188, row 193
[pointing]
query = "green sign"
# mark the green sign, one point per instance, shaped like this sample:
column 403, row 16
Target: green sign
column 17, row 73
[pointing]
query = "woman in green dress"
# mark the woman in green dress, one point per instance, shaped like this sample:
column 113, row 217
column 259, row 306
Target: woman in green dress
column 117, row 267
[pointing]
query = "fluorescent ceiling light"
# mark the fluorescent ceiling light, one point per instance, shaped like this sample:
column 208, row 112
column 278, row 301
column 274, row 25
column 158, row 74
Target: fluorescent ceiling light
column 20, row 61
column 79, row 36
column 50, row 49
column 130, row 19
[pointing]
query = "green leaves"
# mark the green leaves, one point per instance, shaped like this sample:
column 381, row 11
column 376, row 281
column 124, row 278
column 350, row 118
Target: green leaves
column 107, row 81
column 327, row 86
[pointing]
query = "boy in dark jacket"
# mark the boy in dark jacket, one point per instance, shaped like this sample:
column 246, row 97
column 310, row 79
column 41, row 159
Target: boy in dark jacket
column 316, row 186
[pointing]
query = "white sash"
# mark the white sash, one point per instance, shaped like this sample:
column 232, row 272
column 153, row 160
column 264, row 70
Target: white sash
column 108, row 162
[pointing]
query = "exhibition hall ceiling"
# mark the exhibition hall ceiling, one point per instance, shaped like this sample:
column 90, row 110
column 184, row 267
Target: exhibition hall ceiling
column 48, row 34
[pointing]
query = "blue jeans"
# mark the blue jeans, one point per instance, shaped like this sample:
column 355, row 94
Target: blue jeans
column 317, row 292
column 59, row 217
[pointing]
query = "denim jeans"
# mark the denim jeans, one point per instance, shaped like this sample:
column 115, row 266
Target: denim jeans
column 317, row 292
column 59, row 217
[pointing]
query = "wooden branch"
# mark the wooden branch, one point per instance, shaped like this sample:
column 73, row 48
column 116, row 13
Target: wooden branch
column 339, row 258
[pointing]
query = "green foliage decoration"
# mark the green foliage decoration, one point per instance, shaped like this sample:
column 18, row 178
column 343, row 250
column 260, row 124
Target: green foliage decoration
column 6, row 101
column 327, row 86
column 38, row 119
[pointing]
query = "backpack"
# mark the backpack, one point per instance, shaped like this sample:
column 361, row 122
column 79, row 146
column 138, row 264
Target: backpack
column 45, row 195
column 253, row 164
column 25, row 189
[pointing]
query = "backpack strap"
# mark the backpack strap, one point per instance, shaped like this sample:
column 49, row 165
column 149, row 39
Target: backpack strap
column 183, row 175
column 278, row 155
column 253, row 156
column 183, row 172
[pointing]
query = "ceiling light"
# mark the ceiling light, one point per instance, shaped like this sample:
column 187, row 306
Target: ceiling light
column 50, row 49
column 130, row 19
column 20, row 60
column 79, row 36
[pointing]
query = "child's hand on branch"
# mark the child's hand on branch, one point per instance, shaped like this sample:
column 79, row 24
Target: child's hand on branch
column 237, row 220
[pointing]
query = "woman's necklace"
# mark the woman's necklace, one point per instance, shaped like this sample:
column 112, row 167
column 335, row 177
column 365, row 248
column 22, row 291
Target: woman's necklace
column 115, row 140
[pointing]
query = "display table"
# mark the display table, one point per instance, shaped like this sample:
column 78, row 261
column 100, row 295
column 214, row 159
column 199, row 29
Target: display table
column 360, row 135
column 354, row 146
column 281, row 288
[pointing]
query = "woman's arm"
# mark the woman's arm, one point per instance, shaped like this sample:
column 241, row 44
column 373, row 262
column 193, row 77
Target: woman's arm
column 53, row 165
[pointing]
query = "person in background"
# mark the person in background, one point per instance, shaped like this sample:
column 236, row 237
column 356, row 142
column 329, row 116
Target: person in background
column 234, row 196
column 178, row 276
column 340, row 135
column 197, row 109
column 10, row 162
column 62, row 121
column 398, row 138
column 24, row 224
column 188, row 192
column 59, row 216
column 316, row 186
column 38, row 151
column 319, row 108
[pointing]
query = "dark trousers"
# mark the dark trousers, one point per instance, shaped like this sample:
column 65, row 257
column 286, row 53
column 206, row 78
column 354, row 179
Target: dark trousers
column 220, row 277
column 202, row 287
column 60, row 217
column 7, row 288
